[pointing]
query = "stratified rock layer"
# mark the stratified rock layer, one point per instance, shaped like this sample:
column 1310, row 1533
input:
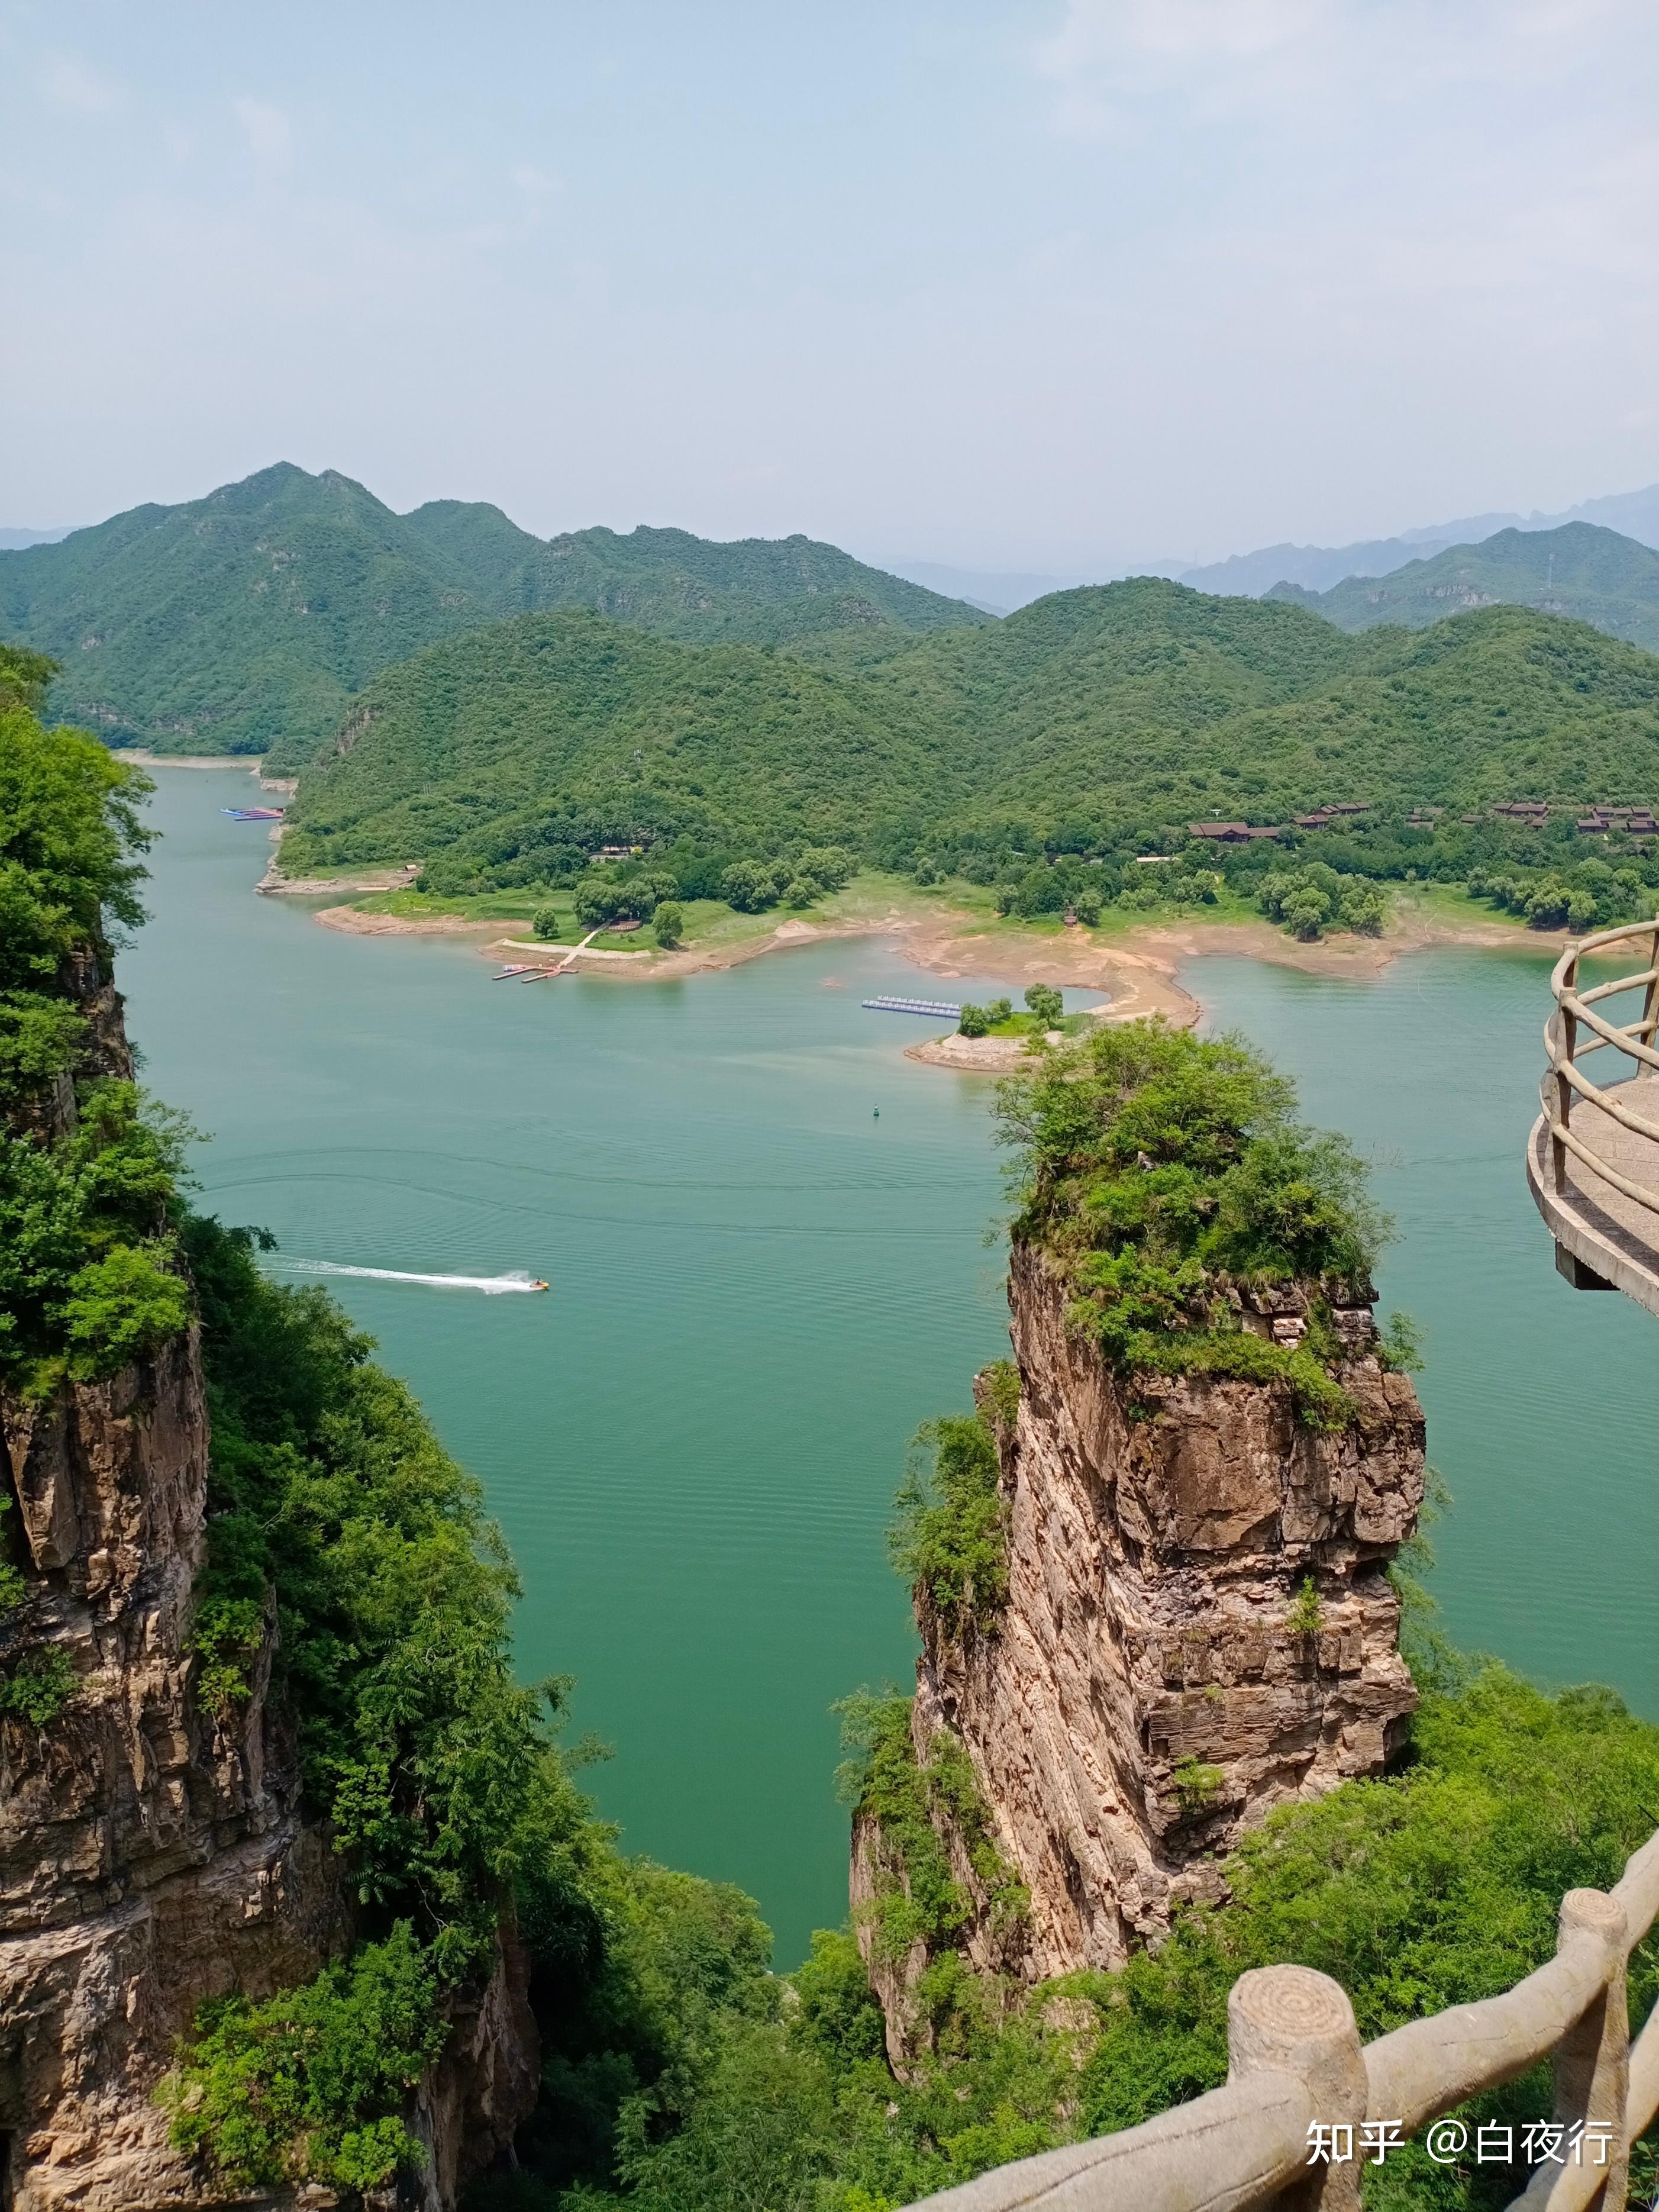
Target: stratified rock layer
column 1145, row 1696
column 152, row 1854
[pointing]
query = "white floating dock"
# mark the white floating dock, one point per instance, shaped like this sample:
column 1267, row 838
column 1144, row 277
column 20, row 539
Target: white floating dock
column 933, row 1008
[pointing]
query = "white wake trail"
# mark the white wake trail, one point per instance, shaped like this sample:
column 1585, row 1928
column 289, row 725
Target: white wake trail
column 493, row 1286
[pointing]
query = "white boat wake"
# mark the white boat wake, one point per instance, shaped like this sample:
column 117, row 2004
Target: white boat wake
column 493, row 1286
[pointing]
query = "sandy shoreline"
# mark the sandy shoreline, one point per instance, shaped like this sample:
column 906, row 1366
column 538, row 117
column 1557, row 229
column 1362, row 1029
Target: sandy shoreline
column 1137, row 972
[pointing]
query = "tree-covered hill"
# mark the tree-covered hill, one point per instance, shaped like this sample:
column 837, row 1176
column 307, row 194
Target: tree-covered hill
column 1145, row 704
column 1590, row 574
column 1088, row 718
column 538, row 734
column 756, row 590
column 246, row 622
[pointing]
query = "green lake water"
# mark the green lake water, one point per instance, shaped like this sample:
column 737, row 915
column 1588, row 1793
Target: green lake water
column 760, row 1285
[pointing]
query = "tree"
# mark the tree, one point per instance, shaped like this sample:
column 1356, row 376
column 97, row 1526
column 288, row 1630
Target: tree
column 548, row 923
column 973, row 1022
column 671, row 921
column 1045, row 1003
column 749, row 885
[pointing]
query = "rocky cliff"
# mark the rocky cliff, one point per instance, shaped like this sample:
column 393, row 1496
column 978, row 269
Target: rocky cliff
column 153, row 1853
column 1160, row 1677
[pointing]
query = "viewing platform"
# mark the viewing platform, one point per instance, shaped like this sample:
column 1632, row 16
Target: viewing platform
column 1593, row 1156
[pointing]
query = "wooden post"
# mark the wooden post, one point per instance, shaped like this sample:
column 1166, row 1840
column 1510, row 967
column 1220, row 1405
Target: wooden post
column 1288, row 2019
column 1592, row 2061
column 1568, row 1046
column 1650, row 1027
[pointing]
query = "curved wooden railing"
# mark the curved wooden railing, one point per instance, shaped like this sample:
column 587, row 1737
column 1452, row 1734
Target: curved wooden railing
column 1300, row 2082
column 1575, row 1011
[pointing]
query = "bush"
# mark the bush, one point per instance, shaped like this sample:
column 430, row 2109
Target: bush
column 949, row 1538
column 1308, row 901
column 601, row 898
column 750, row 886
column 1156, row 1169
column 830, row 867
column 309, row 2086
column 87, row 1282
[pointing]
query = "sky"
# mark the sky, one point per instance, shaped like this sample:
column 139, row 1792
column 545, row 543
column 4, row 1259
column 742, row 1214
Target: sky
column 1051, row 284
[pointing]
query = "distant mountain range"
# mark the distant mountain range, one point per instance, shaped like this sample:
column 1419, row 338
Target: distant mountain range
column 1592, row 576
column 246, row 621
column 1317, row 568
column 12, row 541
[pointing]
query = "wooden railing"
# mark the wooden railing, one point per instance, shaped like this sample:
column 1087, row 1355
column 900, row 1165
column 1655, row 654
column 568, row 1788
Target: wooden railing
column 1575, row 1009
column 1296, row 2065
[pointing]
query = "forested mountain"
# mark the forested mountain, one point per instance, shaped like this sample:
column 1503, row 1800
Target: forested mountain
column 245, row 622
column 1593, row 575
column 1092, row 715
column 505, row 741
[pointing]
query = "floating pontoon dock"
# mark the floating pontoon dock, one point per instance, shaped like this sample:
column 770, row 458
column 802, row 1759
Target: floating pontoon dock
column 933, row 1008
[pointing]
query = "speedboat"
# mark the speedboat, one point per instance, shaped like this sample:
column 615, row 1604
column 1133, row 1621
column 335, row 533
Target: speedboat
column 538, row 1285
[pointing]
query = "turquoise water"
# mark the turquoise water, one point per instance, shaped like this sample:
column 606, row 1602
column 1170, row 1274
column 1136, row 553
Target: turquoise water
column 1540, row 1398
column 760, row 1287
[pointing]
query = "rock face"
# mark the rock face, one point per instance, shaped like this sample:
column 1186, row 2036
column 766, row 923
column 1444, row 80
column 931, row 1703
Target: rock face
column 152, row 1854
column 1146, row 1695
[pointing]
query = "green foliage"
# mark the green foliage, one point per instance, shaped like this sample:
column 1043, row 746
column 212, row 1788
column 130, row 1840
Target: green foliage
column 1166, row 883
column 121, row 1306
column 1309, row 901
column 1305, row 1615
column 38, row 1686
column 1437, row 1887
column 24, row 677
column 1158, row 1170
column 1576, row 895
column 918, row 1899
column 1197, row 1786
column 950, row 1538
column 998, row 1390
column 71, row 835
column 1399, row 1343
column 87, row 1277
column 309, row 2086
column 393, row 1596
column 973, row 1021
column 750, row 886
column 632, row 896
column 1045, row 1003
column 244, row 622
column 547, row 922
column 669, row 923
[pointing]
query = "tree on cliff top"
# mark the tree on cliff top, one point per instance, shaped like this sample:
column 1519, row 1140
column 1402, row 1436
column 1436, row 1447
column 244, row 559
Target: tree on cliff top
column 1156, row 1169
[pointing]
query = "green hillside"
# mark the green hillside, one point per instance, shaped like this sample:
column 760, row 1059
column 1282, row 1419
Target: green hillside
column 246, row 621
column 1085, row 723
column 1205, row 720
column 757, row 590
column 527, row 741
column 1587, row 574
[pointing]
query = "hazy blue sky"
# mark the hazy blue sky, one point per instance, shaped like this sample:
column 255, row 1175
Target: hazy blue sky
column 1048, row 283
